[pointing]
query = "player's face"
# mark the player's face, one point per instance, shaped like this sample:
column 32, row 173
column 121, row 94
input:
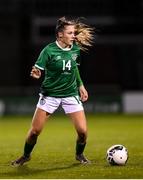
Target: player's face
column 68, row 35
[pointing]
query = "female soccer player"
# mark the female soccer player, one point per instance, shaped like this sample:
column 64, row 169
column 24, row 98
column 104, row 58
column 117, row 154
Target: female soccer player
column 62, row 84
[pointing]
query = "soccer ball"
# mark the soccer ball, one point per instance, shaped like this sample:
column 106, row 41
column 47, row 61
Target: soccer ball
column 117, row 155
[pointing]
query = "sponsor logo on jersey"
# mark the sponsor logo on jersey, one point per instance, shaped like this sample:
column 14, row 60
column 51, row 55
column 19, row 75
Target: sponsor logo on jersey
column 74, row 56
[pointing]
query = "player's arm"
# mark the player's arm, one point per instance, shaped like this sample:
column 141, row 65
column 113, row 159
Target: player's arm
column 83, row 92
column 39, row 65
column 78, row 78
column 35, row 72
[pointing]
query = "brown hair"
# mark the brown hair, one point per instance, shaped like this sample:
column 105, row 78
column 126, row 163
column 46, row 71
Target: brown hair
column 62, row 22
column 84, row 34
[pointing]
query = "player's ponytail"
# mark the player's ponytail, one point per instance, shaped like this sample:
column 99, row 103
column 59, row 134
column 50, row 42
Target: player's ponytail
column 84, row 35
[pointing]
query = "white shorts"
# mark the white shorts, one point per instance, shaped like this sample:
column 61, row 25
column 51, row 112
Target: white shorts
column 69, row 104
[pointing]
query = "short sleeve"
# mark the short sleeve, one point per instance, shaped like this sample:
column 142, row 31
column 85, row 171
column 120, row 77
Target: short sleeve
column 42, row 60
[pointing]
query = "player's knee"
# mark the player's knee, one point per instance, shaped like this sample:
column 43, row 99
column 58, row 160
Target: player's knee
column 33, row 133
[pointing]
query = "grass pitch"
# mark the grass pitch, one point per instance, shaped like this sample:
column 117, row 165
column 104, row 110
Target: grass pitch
column 53, row 155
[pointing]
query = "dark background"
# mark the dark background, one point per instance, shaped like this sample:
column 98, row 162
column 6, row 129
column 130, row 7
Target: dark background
column 114, row 63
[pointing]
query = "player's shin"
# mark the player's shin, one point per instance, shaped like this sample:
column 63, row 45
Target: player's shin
column 80, row 147
column 29, row 144
column 80, row 143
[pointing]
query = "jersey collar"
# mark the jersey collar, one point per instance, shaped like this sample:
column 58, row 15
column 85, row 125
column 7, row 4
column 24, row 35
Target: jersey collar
column 64, row 49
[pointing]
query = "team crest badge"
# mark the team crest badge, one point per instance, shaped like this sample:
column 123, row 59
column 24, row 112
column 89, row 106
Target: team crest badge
column 74, row 56
column 42, row 101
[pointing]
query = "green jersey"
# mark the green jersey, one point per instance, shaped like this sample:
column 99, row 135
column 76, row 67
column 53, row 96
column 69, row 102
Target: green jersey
column 62, row 77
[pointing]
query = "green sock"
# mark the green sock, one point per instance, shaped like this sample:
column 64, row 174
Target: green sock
column 28, row 147
column 80, row 148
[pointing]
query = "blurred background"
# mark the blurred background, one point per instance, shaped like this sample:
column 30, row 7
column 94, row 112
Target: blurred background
column 112, row 70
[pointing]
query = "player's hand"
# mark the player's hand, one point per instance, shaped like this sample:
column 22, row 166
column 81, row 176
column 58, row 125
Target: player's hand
column 35, row 73
column 83, row 93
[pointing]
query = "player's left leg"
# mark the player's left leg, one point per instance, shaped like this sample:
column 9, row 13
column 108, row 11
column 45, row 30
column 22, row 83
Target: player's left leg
column 79, row 120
